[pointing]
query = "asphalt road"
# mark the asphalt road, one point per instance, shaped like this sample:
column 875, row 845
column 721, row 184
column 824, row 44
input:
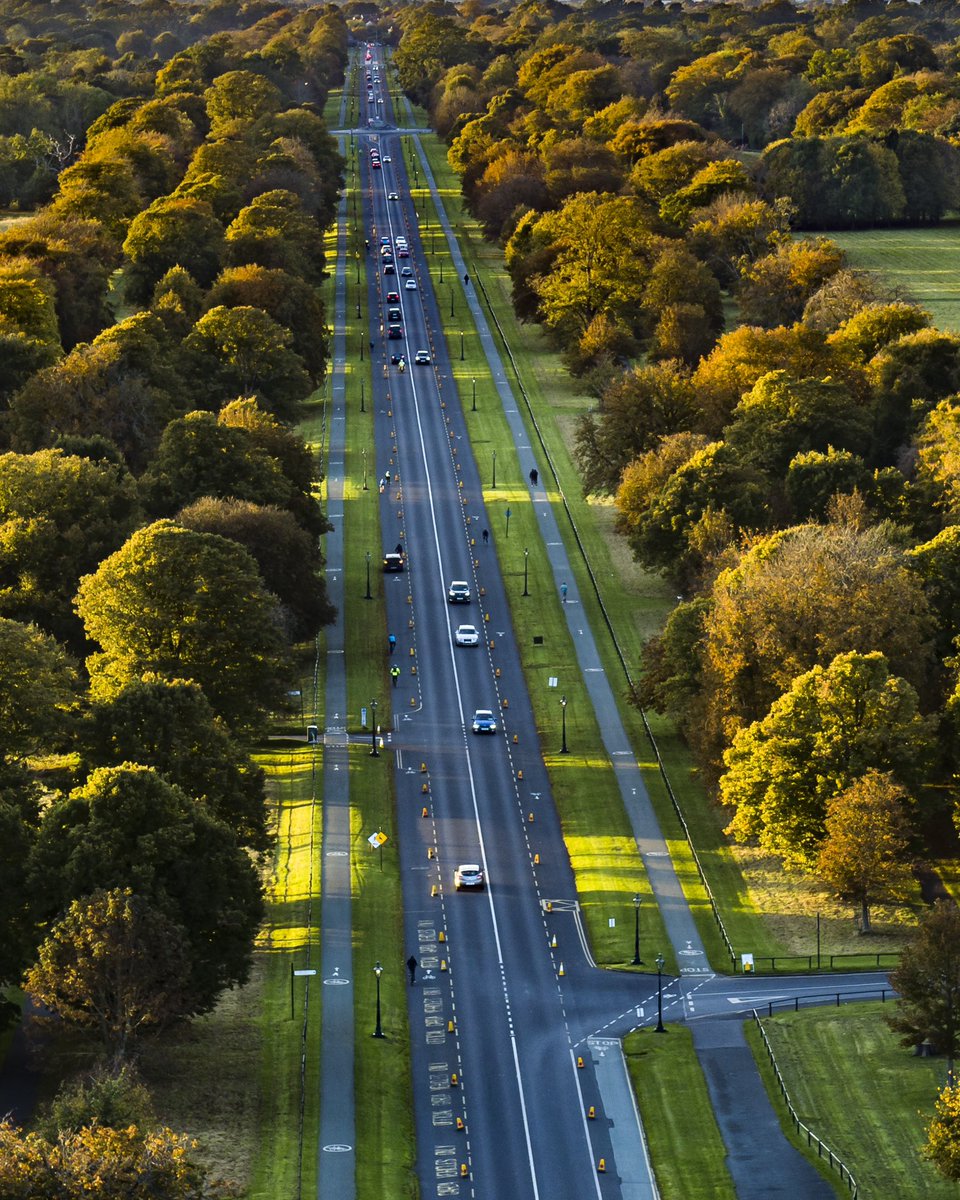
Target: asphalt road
column 492, row 1043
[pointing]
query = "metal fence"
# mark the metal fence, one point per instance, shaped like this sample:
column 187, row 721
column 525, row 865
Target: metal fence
column 813, row 1142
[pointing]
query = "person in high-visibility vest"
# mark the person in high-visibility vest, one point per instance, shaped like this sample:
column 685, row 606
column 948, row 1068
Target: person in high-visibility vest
column 394, row 674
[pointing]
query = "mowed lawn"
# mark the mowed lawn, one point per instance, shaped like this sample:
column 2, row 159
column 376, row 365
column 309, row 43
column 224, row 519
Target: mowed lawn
column 923, row 264
column 868, row 1098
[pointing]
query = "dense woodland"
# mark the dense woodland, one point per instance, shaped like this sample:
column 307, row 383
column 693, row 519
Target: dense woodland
column 160, row 324
column 779, row 432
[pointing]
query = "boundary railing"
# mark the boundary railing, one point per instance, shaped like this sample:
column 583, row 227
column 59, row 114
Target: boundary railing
column 824, row 1152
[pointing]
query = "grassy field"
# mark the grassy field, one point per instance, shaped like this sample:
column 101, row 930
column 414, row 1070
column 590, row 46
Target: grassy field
column 682, row 1133
column 860, row 1092
column 923, row 264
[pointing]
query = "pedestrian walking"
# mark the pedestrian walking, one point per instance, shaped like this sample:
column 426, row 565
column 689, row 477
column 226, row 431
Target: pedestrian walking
column 563, row 593
column 486, row 536
column 398, row 549
column 392, row 642
column 412, row 965
column 386, row 476
column 534, row 476
column 466, row 279
column 395, row 674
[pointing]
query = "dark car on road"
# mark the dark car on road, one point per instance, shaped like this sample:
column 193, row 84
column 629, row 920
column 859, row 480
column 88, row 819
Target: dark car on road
column 393, row 562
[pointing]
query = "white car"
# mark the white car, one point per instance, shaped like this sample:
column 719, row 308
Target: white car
column 387, row 158
column 467, row 635
column 469, row 875
column 411, row 285
column 393, row 196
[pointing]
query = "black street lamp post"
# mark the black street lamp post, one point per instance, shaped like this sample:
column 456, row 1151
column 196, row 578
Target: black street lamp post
column 366, row 488
column 374, row 752
column 637, row 960
column 660, row 1028
column 563, row 719
column 451, row 300
column 474, row 382
column 378, row 971
column 526, row 561
column 493, row 482
column 461, row 345
column 367, row 596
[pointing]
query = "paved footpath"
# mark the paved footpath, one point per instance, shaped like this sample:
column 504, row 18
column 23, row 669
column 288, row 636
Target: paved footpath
column 761, row 1160
column 336, row 1164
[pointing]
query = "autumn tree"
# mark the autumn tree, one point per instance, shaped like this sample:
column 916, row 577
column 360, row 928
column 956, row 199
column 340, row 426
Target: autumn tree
column 127, row 828
column 864, row 856
column 943, row 1133
column 828, row 729
column 636, row 410
column 113, row 964
column 927, row 983
column 774, row 289
column 187, row 606
column 797, row 599
column 100, row 1163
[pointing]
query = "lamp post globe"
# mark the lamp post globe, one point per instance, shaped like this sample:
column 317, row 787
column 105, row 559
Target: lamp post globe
column 378, row 1032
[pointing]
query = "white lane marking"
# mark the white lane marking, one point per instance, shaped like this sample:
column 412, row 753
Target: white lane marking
column 473, row 794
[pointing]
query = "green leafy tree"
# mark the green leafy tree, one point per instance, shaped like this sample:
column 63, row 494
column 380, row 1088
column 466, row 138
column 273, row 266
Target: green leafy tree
column 78, row 257
column 586, row 276
column 243, row 351
column 275, row 232
column 927, row 983
column 833, row 725
column 128, row 828
column 815, row 477
column 288, row 557
column 725, row 176
column 867, row 331
column 38, row 690
column 115, row 1099
column 99, row 190
column 19, row 821
column 864, row 857
column 170, row 726
column 679, row 527
column 735, row 228
column 781, row 417
column 60, row 515
column 199, row 455
column 173, row 231
column 187, row 606
column 237, row 99
column 910, row 377
column 287, row 299
column 113, row 964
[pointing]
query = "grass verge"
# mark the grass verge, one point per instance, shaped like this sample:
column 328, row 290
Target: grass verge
column 865, row 1096
column 684, row 1140
column 922, row 264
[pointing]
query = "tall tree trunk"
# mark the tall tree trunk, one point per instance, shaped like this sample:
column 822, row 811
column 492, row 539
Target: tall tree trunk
column 864, row 915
